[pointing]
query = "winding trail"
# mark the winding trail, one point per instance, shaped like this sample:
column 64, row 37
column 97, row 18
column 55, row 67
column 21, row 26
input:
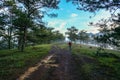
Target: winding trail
column 56, row 66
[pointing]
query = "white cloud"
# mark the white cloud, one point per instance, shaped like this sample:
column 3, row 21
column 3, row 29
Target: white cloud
column 73, row 20
column 52, row 23
column 61, row 28
column 74, row 15
column 93, row 30
column 58, row 25
column 101, row 15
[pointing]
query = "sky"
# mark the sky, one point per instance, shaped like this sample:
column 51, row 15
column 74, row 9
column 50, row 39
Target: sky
column 69, row 16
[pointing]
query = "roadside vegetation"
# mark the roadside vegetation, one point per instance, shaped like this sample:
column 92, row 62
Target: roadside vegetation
column 90, row 66
column 22, row 27
column 13, row 63
column 105, row 66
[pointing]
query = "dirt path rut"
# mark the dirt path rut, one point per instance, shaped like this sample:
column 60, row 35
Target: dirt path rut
column 56, row 66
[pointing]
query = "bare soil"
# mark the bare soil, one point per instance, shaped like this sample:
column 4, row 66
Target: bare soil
column 57, row 65
column 60, row 64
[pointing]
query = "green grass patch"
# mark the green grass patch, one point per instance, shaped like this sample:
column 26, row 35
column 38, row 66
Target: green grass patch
column 87, row 68
column 13, row 63
column 107, row 65
column 82, row 49
column 107, row 61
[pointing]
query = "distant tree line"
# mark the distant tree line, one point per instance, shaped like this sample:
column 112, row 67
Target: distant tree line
column 110, row 31
column 74, row 35
column 109, row 28
column 105, row 37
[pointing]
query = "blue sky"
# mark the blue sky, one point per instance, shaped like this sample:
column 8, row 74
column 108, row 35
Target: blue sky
column 69, row 16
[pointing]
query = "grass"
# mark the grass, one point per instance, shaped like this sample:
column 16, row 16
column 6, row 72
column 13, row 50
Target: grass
column 106, row 66
column 13, row 63
column 88, row 50
column 82, row 49
column 87, row 68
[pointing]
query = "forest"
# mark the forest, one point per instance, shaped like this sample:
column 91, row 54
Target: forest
column 30, row 49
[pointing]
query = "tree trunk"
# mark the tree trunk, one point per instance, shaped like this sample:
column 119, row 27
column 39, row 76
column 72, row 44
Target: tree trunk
column 19, row 42
column 23, row 43
column 9, row 37
column 24, row 37
column 9, row 42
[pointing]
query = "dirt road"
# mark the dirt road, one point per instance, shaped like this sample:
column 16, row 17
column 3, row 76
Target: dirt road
column 57, row 65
